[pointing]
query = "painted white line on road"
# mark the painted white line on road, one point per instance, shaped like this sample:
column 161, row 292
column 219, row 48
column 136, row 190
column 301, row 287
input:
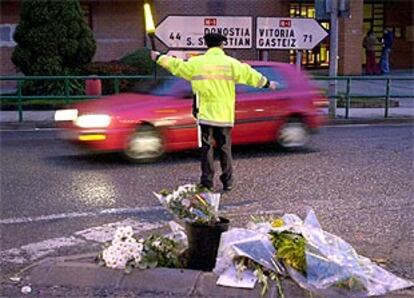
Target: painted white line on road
column 40, row 249
column 112, row 211
column 91, row 236
column 71, row 215
column 95, row 236
column 105, row 233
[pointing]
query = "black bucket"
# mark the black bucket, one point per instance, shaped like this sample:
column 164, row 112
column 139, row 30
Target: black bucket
column 203, row 243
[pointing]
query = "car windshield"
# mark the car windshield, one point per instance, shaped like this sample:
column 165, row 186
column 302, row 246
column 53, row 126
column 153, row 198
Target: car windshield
column 173, row 86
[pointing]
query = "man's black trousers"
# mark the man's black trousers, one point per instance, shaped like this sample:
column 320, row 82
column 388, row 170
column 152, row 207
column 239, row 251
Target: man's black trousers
column 222, row 138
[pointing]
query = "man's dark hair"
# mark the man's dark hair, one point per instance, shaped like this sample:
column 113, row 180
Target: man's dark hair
column 214, row 39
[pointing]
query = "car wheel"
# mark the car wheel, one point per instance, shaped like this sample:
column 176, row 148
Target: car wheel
column 144, row 145
column 293, row 134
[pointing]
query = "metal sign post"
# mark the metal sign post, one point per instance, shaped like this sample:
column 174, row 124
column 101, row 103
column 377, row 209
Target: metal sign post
column 298, row 59
column 333, row 59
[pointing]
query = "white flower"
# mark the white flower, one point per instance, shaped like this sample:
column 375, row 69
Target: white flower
column 156, row 243
column 124, row 248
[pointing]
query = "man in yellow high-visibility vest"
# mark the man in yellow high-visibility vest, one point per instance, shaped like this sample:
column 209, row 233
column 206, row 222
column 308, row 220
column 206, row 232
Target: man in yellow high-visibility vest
column 213, row 78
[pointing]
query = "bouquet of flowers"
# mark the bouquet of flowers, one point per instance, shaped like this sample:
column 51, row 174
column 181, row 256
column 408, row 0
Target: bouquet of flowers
column 191, row 203
column 316, row 260
column 127, row 251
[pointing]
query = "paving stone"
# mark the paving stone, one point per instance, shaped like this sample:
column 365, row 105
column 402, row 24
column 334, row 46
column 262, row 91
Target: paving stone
column 161, row 280
column 76, row 274
column 206, row 286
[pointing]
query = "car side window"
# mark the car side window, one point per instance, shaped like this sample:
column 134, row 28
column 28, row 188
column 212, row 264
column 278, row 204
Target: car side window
column 271, row 73
column 169, row 86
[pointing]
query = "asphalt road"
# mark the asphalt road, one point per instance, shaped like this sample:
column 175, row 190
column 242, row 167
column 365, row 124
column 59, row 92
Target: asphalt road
column 357, row 179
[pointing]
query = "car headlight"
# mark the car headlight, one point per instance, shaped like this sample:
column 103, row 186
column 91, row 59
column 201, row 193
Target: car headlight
column 66, row 115
column 93, row 121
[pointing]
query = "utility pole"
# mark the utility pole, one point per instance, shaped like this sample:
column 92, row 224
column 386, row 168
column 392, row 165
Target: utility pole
column 333, row 58
column 298, row 59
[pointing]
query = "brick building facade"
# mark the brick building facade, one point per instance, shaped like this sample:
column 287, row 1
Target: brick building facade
column 118, row 27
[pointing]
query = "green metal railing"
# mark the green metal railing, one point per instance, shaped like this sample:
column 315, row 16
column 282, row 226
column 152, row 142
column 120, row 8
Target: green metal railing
column 117, row 80
column 387, row 96
column 67, row 96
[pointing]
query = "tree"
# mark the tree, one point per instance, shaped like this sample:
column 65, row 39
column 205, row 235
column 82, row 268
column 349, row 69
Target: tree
column 52, row 39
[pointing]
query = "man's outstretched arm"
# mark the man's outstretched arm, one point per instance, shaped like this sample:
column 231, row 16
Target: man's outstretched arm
column 176, row 66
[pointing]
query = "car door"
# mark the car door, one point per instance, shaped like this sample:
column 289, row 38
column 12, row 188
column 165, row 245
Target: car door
column 180, row 131
column 258, row 110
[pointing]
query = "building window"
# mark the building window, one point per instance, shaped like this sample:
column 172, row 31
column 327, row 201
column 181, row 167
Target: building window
column 319, row 56
column 374, row 19
column 6, row 35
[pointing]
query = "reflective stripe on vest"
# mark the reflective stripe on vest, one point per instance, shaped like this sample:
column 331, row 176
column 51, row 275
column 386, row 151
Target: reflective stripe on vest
column 212, row 77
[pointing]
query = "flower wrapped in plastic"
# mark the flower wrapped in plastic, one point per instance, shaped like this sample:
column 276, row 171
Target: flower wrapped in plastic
column 191, row 203
column 317, row 260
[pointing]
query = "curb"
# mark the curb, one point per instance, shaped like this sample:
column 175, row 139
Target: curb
column 343, row 121
column 80, row 271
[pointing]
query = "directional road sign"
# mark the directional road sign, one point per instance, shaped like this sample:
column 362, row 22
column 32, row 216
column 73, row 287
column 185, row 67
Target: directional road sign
column 186, row 32
column 288, row 33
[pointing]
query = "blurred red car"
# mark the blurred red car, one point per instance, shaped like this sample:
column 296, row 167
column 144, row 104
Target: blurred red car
column 158, row 118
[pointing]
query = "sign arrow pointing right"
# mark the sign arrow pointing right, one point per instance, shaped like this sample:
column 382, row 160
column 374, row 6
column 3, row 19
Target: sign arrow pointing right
column 288, row 33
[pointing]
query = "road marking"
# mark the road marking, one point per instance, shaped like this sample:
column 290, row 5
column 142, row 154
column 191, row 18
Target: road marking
column 113, row 211
column 105, row 233
column 35, row 251
column 94, row 236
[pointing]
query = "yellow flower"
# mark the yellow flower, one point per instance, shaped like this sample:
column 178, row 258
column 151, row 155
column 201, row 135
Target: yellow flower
column 277, row 223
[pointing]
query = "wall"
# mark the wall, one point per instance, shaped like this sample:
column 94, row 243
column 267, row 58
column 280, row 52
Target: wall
column 350, row 40
column 118, row 28
column 400, row 14
column 9, row 15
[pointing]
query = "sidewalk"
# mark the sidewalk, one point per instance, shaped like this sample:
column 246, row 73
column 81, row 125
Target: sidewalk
column 402, row 114
column 80, row 276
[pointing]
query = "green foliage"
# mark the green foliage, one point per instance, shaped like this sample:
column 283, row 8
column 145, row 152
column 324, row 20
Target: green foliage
column 291, row 249
column 52, row 39
column 351, row 283
column 264, row 275
column 140, row 59
column 111, row 68
column 160, row 251
column 157, row 251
